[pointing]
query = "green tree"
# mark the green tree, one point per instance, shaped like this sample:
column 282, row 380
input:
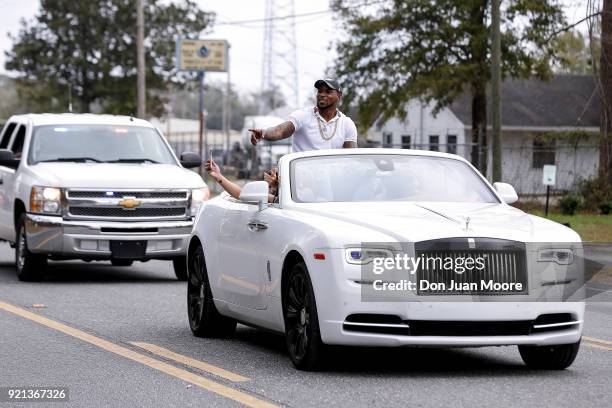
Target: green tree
column 574, row 53
column 396, row 50
column 91, row 46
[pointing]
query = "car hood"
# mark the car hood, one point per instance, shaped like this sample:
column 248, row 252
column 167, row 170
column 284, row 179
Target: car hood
column 419, row 221
column 115, row 175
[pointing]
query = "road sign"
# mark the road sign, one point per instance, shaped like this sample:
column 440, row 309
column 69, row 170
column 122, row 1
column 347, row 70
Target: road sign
column 549, row 175
column 201, row 55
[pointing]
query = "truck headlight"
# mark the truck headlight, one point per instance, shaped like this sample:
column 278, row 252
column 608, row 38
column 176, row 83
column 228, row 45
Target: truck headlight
column 363, row 256
column 45, row 200
column 559, row 256
column 198, row 196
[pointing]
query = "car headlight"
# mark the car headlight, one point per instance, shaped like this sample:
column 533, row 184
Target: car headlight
column 198, row 196
column 559, row 256
column 363, row 256
column 45, row 200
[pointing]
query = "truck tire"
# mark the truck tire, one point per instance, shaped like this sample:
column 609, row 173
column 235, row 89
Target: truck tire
column 180, row 267
column 29, row 267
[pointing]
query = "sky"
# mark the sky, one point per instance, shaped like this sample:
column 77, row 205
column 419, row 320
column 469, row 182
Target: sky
column 313, row 36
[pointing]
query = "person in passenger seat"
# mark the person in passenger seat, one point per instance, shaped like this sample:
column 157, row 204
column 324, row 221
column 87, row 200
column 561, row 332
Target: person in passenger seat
column 234, row 189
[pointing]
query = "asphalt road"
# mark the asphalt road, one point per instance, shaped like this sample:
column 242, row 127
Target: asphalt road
column 78, row 328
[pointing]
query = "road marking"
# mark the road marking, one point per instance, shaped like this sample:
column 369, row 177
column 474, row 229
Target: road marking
column 166, row 368
column 599, row 346
column 597, row 343
column 192, row 362
column 596, row 340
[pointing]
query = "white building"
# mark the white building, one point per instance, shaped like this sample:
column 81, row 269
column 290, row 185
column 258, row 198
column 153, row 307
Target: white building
column 543, row 122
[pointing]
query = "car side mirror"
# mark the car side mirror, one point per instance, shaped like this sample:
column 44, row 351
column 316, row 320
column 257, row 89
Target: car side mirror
column 8, row 159
column 189, row 160
column 255, row 191
column 506, row 192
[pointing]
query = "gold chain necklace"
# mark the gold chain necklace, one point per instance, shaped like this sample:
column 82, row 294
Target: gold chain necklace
column 323, row 132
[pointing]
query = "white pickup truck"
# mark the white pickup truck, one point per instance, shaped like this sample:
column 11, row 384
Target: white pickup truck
column 94, row 187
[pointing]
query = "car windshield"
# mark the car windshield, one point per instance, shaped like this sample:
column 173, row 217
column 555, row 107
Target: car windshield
column 386, row 177
column 98, row 144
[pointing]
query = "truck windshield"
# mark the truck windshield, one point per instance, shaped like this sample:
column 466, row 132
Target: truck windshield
column 98, row 144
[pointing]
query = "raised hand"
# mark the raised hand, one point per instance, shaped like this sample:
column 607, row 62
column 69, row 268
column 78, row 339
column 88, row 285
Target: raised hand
column 213, row 169
column 272, row 178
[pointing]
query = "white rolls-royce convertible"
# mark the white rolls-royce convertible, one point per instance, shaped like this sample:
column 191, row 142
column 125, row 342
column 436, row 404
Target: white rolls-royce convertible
column 342, row 257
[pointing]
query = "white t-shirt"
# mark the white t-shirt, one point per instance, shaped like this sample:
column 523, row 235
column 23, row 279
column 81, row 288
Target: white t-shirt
column 312, row 130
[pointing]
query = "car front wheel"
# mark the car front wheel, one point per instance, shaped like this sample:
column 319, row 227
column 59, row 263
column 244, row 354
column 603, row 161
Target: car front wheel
column 30, row 267
column 204, row 318
column 556, row 357
column 302, row 335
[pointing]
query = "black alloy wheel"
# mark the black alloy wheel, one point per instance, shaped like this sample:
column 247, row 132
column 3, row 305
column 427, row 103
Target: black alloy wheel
column 204, row 318
column 302, row 334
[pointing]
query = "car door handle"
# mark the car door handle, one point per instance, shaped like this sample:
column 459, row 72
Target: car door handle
column 255, row 226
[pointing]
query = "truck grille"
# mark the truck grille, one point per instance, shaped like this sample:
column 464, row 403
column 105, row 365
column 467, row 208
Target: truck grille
column 138, row 204
column 120, row 212
column 504, row 262
column 180, row 195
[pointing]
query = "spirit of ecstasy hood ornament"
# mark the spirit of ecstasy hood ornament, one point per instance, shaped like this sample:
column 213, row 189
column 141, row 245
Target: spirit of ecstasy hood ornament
column 467, row 223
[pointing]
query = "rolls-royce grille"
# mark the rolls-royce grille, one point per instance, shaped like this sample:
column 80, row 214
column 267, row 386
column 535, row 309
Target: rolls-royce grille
column 171, row 195
column 502, row 262
column 122, row 213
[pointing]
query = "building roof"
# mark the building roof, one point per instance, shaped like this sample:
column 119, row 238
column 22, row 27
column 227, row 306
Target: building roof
column 564, row 101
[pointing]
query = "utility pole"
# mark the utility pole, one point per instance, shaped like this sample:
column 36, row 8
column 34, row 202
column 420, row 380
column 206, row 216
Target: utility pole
column 227, row 113
column 140, row 59
column 605, row 76
column 202, row 144
column 496, row 90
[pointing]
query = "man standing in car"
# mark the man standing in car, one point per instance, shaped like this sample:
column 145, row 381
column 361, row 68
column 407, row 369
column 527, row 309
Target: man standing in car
column 320, row 127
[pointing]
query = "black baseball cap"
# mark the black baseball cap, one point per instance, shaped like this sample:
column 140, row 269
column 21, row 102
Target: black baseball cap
column 329, row 82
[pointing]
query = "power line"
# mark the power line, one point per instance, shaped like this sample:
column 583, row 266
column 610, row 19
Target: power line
column 312, row 13
column 263, row 20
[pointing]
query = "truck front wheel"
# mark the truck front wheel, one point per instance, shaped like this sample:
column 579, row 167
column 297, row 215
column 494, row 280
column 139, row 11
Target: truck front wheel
column 30, row 267
column 180, row 267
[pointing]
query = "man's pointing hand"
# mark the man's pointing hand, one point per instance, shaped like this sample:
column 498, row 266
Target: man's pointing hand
column 256, row 135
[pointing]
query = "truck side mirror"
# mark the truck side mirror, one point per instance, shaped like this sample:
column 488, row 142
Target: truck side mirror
column 8, row 159
column 190, row 160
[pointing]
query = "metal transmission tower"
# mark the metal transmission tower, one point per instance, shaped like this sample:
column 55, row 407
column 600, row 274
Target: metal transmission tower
column 279, row 70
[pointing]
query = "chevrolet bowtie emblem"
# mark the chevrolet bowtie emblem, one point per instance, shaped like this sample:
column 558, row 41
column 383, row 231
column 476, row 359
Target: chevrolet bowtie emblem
column 129, row 203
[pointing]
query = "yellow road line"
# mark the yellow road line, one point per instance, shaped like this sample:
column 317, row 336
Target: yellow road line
column 166, row 368
column 596, row 340
column 192, row 362
column 597, row 343
column 599, row 346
